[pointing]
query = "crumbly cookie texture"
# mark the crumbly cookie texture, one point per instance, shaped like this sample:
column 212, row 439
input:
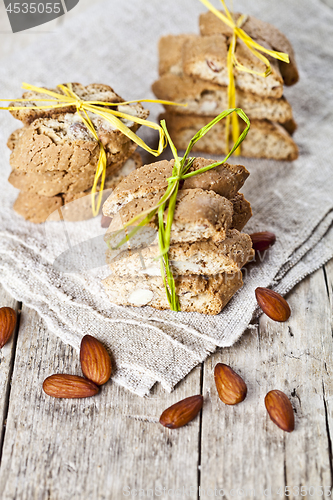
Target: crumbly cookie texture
column 37, row 208
column 203, row 294
column 65, row 144
column 170, row 53
column 200, row 257
column 57, row 182
column 199, row 215
column 225, row 180
column 258, row 30
column 207, row 98
column 197, row 212
column 242, row 211
column 92, row 92
column 206, row 58
column 265, row 139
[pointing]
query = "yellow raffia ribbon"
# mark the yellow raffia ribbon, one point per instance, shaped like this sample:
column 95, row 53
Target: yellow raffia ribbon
column 232, row 61
column 69, row 98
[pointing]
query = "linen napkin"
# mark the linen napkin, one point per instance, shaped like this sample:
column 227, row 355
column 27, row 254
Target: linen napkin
column 116, row 43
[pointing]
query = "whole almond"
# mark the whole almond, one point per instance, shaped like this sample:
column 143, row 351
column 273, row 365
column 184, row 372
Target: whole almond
column 263, row 240
column 95, row 360
column 213, row 66
column 273, row 304
column 69, row 386
column 105, row 221
column 280, row 410
column 230, row 386
column 7, row 324
column 182, row 412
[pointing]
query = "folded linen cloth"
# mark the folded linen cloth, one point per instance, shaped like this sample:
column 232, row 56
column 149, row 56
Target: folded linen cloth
column 294, row 200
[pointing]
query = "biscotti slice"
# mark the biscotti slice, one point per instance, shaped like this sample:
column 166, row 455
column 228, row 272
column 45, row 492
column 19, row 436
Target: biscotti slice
column 258, row 30
column 265, row 139
column 202, row 294
column 37, row 208
column 207, row 99
column 206, row 58
column 14, row 138
column 93, row 92
column 52, row 183
column 225, row 180
column 199, row 215
column 78, row 207
column 242, row 212
column 170, row 53
column 65, row 143
column 200, row 257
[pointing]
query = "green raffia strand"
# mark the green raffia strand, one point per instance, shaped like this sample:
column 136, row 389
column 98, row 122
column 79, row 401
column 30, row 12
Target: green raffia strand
column 179, row 172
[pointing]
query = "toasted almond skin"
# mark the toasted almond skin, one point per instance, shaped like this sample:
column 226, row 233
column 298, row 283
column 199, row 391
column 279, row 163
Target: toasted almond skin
column 273, row 304
column 182, row 412
column 263, row 240
column 280, row 410
column 105, row 221
column 230, row 386
column 69, row 386
column 7, row 324
column 95, row 360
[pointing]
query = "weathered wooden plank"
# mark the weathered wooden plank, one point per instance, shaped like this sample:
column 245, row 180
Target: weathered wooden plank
column 97, row 448
column 7, row 354
column 241, row 447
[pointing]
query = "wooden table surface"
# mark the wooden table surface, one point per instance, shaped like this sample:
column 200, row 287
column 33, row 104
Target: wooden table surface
column 112, row 446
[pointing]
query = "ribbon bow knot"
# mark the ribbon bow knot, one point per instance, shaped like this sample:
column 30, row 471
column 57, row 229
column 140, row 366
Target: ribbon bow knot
column 255, row 48
column 102, row 109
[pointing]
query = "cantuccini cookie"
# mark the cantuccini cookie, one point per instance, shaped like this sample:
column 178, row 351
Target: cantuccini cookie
column 265, row 139
column 207, row 98
column 225, row 180
column 93, row 92
column 206, row 58
column 205, row 294
column 65, row 144
column 200, row 257
column 38, row 208
column 194, row 71
column 207, row 249
column 258, row 30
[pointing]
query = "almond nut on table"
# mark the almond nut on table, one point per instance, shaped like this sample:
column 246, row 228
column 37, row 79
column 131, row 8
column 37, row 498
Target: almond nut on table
column 230, row 386
column 273, row 304
column 69, row 386
column 182, row 412
column 262, row 241
column 280, row 410
column 95, row 360
column 7, row 324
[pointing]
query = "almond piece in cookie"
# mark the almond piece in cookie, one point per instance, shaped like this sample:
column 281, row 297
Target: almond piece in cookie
column 203, row 294
column 225, row 180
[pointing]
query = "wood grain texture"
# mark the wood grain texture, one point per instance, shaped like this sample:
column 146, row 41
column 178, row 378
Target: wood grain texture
column 110, row 444
column 92, row 448
column 96, row 448
column 7, row 354
column 241, row 447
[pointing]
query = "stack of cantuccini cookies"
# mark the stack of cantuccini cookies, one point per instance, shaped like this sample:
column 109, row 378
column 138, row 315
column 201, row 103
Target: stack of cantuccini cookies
column 193, row 70
column 54, row 156
column 207, row 247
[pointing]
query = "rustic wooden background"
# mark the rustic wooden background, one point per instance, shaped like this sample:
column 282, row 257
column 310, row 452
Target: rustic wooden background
column 112, row 446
